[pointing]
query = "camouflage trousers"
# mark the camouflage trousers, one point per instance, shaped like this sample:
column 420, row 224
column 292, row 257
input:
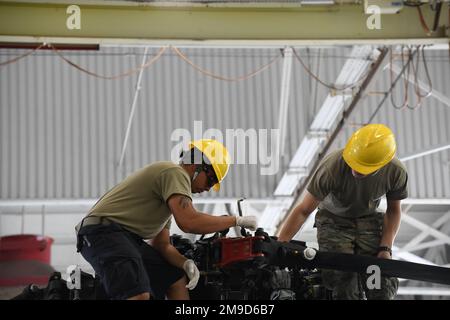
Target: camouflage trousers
column 352, row 235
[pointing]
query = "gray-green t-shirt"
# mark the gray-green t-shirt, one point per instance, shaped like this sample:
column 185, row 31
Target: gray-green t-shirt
column 344, row 195
column 139, row 203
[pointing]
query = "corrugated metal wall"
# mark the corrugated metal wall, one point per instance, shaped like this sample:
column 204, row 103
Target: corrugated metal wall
column 62, row 130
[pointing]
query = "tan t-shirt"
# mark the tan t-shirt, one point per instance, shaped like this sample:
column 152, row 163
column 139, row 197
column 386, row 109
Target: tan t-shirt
column 139, row 203
column 344, row 195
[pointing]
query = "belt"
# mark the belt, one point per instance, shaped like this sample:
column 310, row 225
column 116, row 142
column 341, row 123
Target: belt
column 92, row 220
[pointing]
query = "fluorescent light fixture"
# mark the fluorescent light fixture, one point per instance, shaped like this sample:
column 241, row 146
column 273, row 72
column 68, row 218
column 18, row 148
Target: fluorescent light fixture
column 288, row 184
column 330, row 109
column 306, row 152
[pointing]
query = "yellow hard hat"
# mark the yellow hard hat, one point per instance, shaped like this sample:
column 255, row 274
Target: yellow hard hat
column 370, row 148
column 217, row 155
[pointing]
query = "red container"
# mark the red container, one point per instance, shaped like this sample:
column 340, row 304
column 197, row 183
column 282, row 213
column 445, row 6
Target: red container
column 25, row 247
column 25, row 259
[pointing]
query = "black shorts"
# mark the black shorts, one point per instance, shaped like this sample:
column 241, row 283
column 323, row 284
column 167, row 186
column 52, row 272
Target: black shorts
column 126, row 265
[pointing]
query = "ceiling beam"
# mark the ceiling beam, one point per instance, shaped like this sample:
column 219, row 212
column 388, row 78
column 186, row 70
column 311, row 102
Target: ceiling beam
column 425, row 152
column 100, row 23
column 414, row 243
column 408, row 256
column 424, row 227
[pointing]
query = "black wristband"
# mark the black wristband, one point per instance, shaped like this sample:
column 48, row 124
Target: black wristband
column 383, row 248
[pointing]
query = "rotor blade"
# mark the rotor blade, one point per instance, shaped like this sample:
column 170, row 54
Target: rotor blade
column 291, row 254
column 390, row 268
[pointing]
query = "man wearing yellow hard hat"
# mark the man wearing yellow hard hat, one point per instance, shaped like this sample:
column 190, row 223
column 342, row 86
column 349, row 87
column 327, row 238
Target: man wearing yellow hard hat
column 347, row 188
column 111, row 237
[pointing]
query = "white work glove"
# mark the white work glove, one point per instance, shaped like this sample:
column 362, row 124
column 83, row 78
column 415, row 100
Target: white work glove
column 192, row 272
column 248, row 222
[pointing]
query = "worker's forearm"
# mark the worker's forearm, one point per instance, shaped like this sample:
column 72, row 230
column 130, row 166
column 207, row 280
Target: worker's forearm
column 391, row 225
column 204, row 223
column 172, row 255
column 293, row 223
